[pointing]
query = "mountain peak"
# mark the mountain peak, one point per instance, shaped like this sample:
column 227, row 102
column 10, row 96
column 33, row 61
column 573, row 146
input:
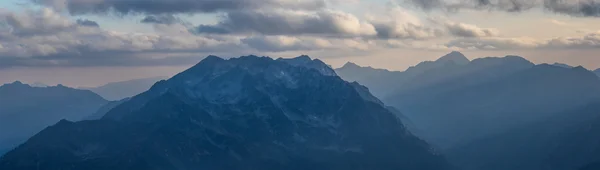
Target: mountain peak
column 351, row 65
column 297, row 60
column 454, row 56
column 210, row 59
column 307, row 62
column 241, row 113
column 16, row 84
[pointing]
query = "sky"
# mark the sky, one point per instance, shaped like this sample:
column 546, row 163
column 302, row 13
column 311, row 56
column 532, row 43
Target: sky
column 92, row 42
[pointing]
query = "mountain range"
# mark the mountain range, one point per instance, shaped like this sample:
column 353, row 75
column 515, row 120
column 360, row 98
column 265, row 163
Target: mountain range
column 493, row 113
column 242, row 113
column 26, row 110
column 124, row 89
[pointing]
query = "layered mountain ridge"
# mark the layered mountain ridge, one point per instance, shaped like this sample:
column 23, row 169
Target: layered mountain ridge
column 242, row 113
column 497, row 113
column 116, row 91
column 26, row 110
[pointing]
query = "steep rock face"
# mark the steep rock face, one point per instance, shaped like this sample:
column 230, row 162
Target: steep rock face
column 243, row 113
column 26, row 110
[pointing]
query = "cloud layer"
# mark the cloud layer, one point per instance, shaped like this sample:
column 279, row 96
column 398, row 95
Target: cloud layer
column 124, row 7
column 580, row 8
column 588, row 41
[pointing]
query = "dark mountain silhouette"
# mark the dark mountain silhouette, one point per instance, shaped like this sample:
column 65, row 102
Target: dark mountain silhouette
column 124, row 89
column 591, row 166
column 242, row 113
column 597, row 72
column 26, row 110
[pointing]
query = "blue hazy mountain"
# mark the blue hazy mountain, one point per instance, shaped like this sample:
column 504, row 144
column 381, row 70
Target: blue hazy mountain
column 597, row 72
column 26, row 110
column 382, row 82
column 120, row 90
column 568, row 140
column 504, row 113
column 493, row 100
column 105, row 109
column 563, row 65
column 251, row 113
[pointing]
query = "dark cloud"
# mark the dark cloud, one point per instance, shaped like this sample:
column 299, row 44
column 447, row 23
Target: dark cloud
column 87, row 23
column 406, row 31
column 288, row 22
column 151, row 7
column 581, row 8
column 586, row 8
column 161, row 19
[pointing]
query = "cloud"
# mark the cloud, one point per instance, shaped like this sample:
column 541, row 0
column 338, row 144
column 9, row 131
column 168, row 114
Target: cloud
column 392, row 23
column 398, row 23
column 31, row 23
column 458, row 29
column 580, row 8
column 290, row 22
column 294, row 43
column 45, row 38
column 88, row 23
column 590, row 40
column 161, row 19
column 557, row 22
column 285, row 43
column 124, row 7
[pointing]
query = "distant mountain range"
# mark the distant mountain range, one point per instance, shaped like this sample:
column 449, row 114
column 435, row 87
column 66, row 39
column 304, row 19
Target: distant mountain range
column 562, row 65
column 251, row 113
column 487, row 112
column 26, row 110
column 381, row 82
column 120, row 90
